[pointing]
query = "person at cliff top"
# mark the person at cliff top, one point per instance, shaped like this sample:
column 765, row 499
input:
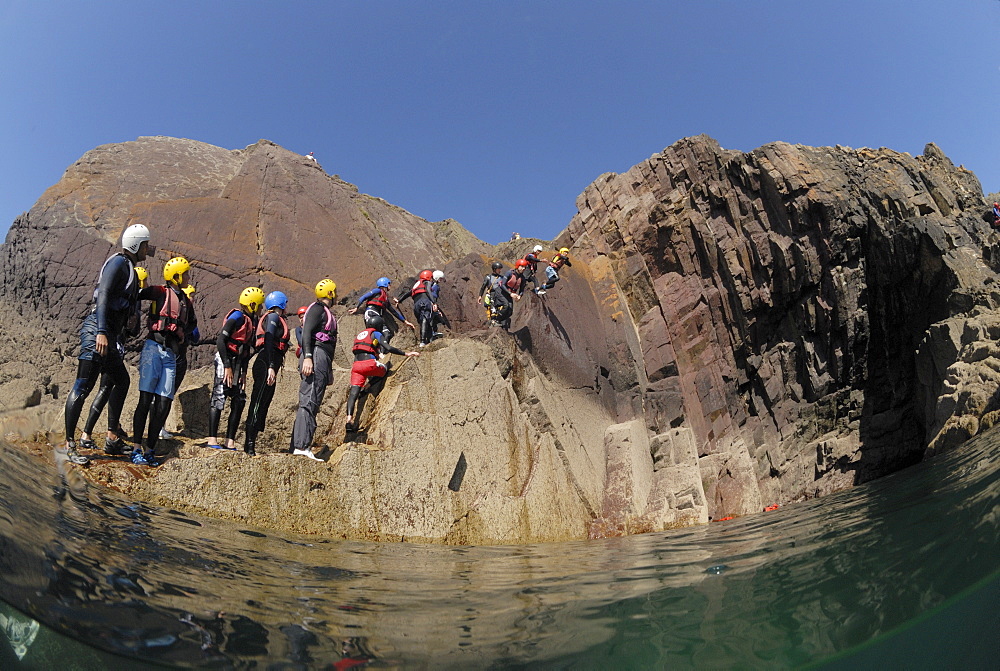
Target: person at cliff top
column 552, row 270
column 509, row 289
column 117, row 446
column 531, row 270
column 439, row 317
column 368, row 347
column 319, row 343
column 376, row 301
column 101, row 349
column 423, row 305
column 192, row 337
column 311, row 156
column 271, row 343
column 234, row 346
column 491, row 283
column 171, row 320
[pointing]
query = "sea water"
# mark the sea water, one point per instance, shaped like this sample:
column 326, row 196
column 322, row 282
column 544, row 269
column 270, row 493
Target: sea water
column 897, row 573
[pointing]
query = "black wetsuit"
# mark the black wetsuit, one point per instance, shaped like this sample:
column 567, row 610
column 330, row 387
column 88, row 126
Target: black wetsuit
column 270, row 356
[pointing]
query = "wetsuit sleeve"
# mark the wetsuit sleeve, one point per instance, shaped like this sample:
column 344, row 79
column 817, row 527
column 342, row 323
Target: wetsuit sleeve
column 385, row 347
column 312, row 323
column 231, row 326
column 271, row 354
column 567, row 262
column 152, row 293
column 112, row 285
column 486, row 285
column 395, row 313
column 403, row 295
column 367, row 297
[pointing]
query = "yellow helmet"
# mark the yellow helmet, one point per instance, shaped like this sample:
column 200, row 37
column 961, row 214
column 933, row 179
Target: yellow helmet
column 174, row 269
column 564, row 251
column 143, row 275
column 252, row 298
column 325, row 289
column 190, row 290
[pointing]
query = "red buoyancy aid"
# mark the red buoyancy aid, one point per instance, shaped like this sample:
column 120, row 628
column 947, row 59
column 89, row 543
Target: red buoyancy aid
column 514, row 283
column 172, row 315
column 329, row 331
column 420, row 287
column 365, row 342
column 557, row 261
column 243, row 334
column 282, row 343
column 381, row 300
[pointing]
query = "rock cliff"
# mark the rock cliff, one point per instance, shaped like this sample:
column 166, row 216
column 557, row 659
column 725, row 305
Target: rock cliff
column 737, row 330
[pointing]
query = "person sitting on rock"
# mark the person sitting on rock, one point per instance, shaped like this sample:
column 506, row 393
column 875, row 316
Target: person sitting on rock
column 101, row 349
column 486, row 291
column 376, row 301
column 171, row 319
column 271, row 343
column 531, row 270
column 423, row 305
column 552, row 270
column 319, row 344
column 368, row 347
column 234, row 346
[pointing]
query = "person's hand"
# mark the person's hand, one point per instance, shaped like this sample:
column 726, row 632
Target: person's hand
column 479, row 300
column 227, row 378
column 307, row 367
column 411, row 325
column 271, row 377
column 517, row 297
column 101, row 345
column 353, row 311
column 413, row 354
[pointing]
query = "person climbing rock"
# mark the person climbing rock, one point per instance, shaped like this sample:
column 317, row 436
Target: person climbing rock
column 423, row 305
column 234, row 346
column 101, row 348
column 368, row 347
column 510, row 289
column 439, row 317
column 531, row 270
column 552, row 270
column 376, row 301
column 171, row 319
column 490, row 286
column 319, row 343
column 271, row 343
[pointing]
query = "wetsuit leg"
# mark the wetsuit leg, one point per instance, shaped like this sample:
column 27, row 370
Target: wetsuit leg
column 140, row 415
column 98, row 404
column 237, row 401
column 352, row 398
column 260, row 401
column 311, row 392
column 157, row 418
column 88, row 370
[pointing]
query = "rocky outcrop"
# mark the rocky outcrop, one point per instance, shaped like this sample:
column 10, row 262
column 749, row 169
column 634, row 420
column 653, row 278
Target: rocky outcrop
column 736, row 331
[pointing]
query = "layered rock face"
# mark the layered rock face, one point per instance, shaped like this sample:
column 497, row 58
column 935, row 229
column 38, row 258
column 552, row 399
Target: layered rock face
column 736, row 331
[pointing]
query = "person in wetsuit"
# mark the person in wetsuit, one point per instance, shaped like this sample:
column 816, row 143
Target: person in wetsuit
column 368, row 347
column 319, row 343
column 490, row 284
column 423, row 305
column 552, row 270
column 531, row 270
column 101, row 332
column 271, row 343
column 234, row 346
column 376, row 301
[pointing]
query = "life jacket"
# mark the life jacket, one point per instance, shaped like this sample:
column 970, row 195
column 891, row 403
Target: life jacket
column 557, row 261
column 282, row 343
column 513, row 283
column 419, row 288
column 241, row 338
column 532, row 262
column 172, row 315
column 381, row 300
column 495, row 281
column 329, row 331
column 365, row 342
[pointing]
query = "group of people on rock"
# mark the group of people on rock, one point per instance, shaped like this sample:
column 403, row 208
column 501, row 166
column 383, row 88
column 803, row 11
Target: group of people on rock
column 499, row 290
column 256, row 327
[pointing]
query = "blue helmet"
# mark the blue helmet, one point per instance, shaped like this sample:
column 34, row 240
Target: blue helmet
column 276, row 299
column 383, row 282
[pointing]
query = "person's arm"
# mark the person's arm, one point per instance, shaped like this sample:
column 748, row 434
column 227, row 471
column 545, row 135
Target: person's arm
column 482, row 289
column 567, row 262
column 231, row 326
column 112, row 284
column 364, row 299
column 377, row 338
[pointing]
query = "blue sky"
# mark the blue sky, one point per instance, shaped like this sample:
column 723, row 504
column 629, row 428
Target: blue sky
column 497, row 114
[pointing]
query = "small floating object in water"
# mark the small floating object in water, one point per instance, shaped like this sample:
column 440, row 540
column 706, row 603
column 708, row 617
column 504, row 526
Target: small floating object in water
column 771, row 507
column 718, row 569
column 723, row 519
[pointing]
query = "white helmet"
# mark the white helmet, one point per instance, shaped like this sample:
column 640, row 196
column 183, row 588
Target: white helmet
column 536, row 249
column 438, row 275
column 134, row 236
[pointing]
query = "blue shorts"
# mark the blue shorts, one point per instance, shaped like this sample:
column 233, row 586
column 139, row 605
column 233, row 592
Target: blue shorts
column 551, row 274
column 157, row 370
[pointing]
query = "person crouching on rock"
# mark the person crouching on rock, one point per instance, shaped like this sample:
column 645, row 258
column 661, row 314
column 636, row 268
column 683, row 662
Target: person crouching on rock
column 271, row 343
column 368, row 347
column 319, row 343
column 115, row 300
column 552, row 270
column 376, row 301
column 510, row 289
column 234, row 347
column 423, row 305
column 171, row 319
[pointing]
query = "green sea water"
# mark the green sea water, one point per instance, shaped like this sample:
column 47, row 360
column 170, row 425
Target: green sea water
column 897, row 573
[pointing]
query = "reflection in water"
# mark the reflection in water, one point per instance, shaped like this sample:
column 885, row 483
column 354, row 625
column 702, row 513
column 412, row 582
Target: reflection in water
column 783, row 588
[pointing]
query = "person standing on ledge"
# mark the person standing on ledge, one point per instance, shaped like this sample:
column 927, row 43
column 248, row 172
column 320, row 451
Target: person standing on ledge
column 101, row 349
column 234, row 345
column 271, row 342
column 319, row 343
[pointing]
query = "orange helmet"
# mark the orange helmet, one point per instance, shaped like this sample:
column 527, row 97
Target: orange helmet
column 426, row 274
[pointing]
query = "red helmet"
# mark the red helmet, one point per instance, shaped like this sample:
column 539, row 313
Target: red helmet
column 521, row 263
column 302, row 311
column 426, row 274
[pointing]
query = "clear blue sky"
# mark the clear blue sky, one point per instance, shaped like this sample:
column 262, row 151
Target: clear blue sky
column 497, row 114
